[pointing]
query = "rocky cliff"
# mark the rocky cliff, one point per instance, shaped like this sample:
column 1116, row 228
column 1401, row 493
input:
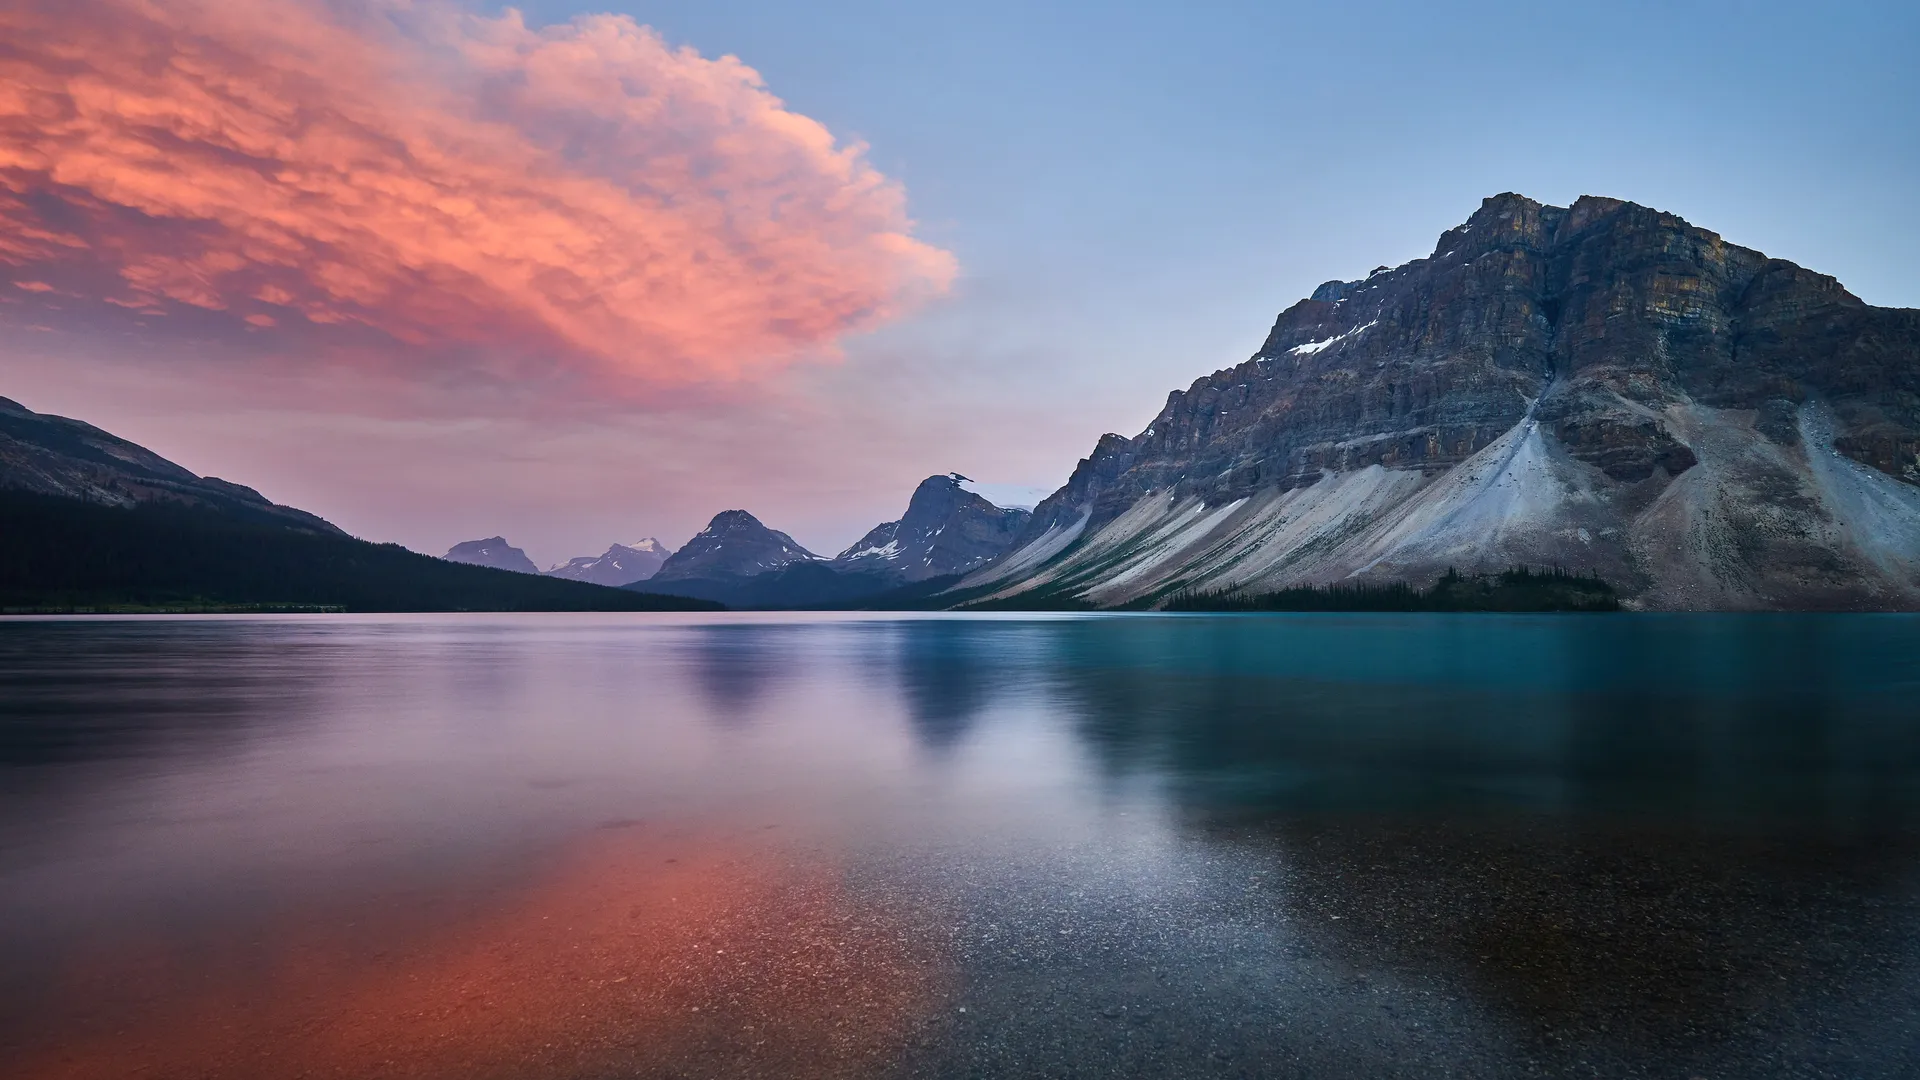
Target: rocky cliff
column 1602, row 386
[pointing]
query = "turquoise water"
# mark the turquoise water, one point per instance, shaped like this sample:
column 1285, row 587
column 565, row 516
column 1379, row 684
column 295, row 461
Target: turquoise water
column 1321, row 845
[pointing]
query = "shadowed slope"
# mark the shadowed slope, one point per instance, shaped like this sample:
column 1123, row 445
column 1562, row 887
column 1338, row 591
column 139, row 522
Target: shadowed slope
column 62, row 554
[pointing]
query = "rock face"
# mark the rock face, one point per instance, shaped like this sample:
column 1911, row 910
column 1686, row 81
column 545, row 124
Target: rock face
column 52, row 455
column 622, row 564
column 1601, row 386
column 494, row 551
column 947, row 529
column 733, row 545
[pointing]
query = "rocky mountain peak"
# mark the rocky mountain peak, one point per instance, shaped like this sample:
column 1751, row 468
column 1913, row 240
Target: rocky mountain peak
column 1505, row 221
column 734, row 544
column 494, row 551
column 1589, row 208
column 620, row 564
column 936, row 497
column 947, row 529
column 730, row 520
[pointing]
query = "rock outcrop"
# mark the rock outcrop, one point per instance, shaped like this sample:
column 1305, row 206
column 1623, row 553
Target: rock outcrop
column 1602, row 386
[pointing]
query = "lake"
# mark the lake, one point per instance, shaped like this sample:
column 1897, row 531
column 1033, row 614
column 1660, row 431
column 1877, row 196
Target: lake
column 821, row 845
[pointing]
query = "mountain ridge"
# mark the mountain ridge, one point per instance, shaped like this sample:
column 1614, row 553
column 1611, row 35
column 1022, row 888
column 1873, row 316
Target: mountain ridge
column 93, row 522
column 1602, row 386
column 44, row 454
column 620, row 565
column 945, row 531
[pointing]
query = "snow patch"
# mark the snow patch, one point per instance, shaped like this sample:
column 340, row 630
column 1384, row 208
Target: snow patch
column 1313, row 347
column 890, row 551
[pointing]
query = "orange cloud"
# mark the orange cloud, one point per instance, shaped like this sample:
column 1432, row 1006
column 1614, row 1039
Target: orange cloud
column 582, row 194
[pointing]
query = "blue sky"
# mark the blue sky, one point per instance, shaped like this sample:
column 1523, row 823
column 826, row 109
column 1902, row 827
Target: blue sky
column 1135, row 190
column 1148, row 148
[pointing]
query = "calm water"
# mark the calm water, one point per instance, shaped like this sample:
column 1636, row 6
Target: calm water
column 799, row 846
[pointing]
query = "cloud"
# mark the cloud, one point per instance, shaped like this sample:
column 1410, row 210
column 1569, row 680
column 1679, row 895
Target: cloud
column 433, row 188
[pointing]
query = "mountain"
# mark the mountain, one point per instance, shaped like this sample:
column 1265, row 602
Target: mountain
column 623, row 564
column 1602, row 387
column 90, row 521
column 52, row 455
column 494, row 551
column 733, row 545
column 947, row 529
column 733, row 561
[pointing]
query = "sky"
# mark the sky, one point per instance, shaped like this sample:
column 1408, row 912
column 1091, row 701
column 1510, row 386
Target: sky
column 584, row 271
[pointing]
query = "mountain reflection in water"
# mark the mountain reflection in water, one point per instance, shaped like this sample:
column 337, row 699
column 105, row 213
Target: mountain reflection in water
column 822, row 845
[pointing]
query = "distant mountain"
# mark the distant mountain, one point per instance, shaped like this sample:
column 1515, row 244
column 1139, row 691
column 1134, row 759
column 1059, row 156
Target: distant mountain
column 947, row 529
column 1602, row 387
column 623, row 564
column 733, row 545
column 52, row 455
column 494, row 551
column 89, row 521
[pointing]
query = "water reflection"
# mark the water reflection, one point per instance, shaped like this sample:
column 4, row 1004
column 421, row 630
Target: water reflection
column 1174, row 846
column 1802, row 724
column 62, row 704
column 737, row 667
column 947, row 677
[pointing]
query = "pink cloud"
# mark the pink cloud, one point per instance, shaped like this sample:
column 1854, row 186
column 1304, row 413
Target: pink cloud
column 582, row 195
